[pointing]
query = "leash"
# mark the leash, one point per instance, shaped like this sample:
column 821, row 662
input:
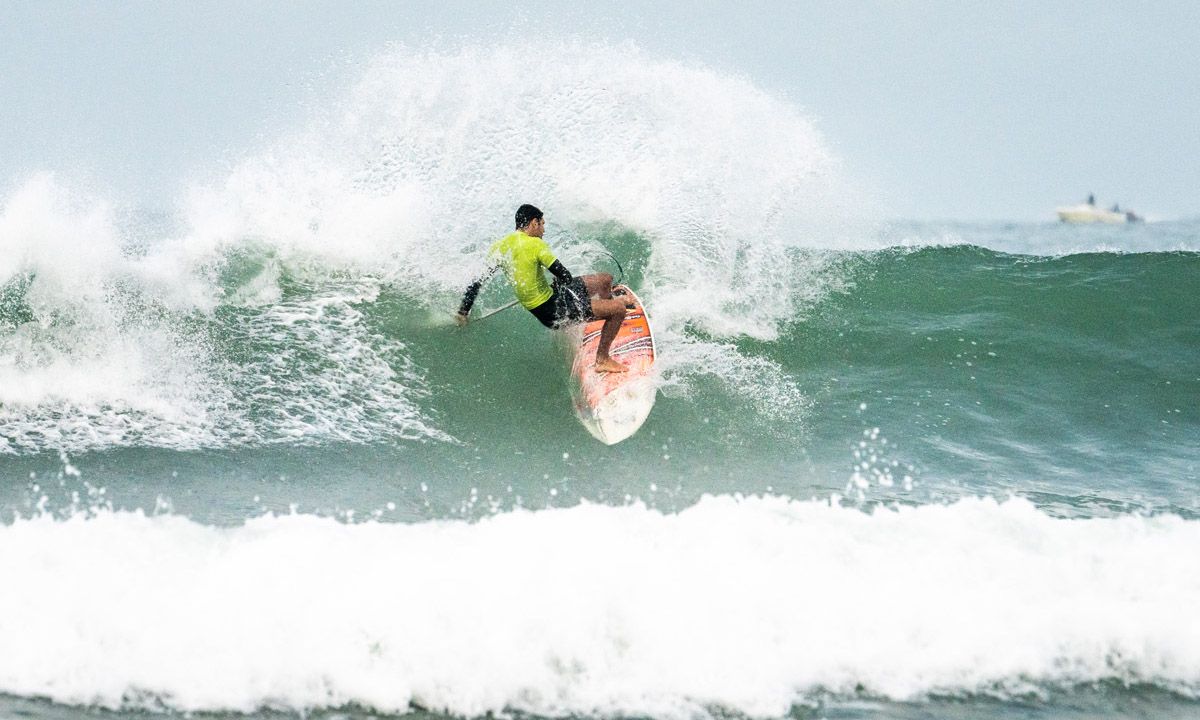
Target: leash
column 619, row 268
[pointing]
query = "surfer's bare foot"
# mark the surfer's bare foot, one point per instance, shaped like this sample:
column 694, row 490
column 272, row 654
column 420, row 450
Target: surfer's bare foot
column 610, row 365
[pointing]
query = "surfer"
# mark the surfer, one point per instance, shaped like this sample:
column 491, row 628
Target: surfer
column 570, row 300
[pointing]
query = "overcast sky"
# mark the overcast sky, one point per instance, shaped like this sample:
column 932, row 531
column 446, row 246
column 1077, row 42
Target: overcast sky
column 940, row 109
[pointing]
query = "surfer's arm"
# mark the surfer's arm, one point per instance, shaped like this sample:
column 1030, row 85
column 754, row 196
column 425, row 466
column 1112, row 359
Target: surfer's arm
column 561, row 274
column 468, row 301
column 546, row 259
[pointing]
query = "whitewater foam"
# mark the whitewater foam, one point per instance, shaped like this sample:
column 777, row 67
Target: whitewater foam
column 748, row 604
column 109, row 344
column 86, row 359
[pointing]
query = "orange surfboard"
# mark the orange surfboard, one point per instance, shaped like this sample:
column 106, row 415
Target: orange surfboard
column 612, row 406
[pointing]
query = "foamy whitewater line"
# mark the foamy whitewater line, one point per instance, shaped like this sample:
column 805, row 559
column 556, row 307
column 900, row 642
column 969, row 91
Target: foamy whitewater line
column 747, row 604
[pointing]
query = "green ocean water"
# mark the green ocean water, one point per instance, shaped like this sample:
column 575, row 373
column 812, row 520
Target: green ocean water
column 970, row 371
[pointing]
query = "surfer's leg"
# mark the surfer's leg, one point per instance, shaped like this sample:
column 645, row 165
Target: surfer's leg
column 612, row 312
column 598, row 285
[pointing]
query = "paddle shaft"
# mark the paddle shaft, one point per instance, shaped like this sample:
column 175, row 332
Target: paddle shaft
column 500, row 309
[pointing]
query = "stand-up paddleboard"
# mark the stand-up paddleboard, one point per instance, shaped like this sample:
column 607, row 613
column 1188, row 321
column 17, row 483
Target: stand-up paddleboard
column 612, row 406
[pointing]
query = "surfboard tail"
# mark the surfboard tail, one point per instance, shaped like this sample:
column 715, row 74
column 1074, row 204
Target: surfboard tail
column 613, row 406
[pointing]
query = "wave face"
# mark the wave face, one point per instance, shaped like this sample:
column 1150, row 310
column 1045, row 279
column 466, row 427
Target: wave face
column 751, row 605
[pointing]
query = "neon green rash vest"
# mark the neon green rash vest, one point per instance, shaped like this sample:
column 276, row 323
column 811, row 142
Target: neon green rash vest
column 522, row 258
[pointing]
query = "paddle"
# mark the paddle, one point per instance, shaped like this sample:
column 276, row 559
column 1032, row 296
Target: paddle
column 490, row 313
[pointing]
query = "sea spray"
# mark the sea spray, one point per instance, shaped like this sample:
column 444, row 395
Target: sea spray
column 223, row 332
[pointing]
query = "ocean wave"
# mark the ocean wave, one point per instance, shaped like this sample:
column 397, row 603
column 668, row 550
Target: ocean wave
column 397, row 183
column 744, row 604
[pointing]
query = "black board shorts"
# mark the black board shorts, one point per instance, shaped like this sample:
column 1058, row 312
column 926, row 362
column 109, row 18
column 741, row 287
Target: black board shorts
column 569, row 304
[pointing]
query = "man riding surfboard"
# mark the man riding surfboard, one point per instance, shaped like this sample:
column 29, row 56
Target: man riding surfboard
column 570, row 300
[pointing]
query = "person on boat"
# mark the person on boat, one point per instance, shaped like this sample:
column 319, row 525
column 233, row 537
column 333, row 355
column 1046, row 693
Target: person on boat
column 570, row 300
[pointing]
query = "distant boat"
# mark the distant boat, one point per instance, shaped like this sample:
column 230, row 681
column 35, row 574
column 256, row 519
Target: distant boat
column 1085, row 213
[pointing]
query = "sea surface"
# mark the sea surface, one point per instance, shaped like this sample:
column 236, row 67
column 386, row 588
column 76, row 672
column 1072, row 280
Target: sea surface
column 250, row 468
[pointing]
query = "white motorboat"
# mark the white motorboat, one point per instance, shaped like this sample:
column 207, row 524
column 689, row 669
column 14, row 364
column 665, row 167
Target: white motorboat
column 1085, row 213
column 1088, row 212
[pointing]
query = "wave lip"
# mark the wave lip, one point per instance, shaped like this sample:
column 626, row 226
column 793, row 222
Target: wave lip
column 748, row 604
